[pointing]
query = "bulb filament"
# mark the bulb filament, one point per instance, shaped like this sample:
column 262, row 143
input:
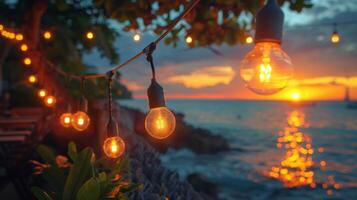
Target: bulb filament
column 160, row 123
column 114, row 147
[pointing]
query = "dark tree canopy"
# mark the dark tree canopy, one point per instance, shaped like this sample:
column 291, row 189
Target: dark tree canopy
column 212, row 22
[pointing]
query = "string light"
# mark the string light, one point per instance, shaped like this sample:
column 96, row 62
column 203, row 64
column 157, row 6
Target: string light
column 335, row 38
column 159, row 122
column 50, row 101
column 136, row 37
column 249, row 40
column 90, row 35
column 189, row 40
column 19, row 37
column 32, row 79
column 27, row 61
column 267, row 68
column 47, row 35
column 24, row 47
column 65, row 119
column 113, row 146
column 41, row 93
column 1, row 27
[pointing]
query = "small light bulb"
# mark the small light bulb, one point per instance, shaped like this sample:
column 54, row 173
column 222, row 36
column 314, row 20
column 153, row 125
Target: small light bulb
column 65, row 119
column 24, row 47
column 266, row 69
column 50, row 101
column 160, row 122
column 1, row 27
column 27, row 61
column 19, row 37
column 90, row 35
column 42, row 93
column 114, row 147
column 249, row 40
column 47, row 35
column 32, row 79
column 136, row 37
column 80, row 121
column 189, row 40
column 335, row 37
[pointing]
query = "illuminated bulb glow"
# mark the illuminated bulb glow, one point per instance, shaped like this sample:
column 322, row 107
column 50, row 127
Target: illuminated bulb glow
column 24, row 47
column 189, row 40
column 335, row 38
column 19, row 37
column 160, row 122
column 65, row 120
column 50, row 101
column 136, row 37
column 27, row 61
column 249, row 40
column 80, row 121
column 90, row 35
column 42, row 93
column 266, row 69
column 32, row 79
column 114, row 147
column 47, row 35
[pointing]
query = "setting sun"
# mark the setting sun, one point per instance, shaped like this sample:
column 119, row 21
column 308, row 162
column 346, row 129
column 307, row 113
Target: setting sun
column 295, row 96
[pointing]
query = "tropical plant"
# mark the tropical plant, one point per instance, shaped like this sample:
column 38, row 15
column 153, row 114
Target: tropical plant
column 81, row 176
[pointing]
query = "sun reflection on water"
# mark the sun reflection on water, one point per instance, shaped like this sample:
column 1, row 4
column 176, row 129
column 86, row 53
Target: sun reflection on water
column 297, row 167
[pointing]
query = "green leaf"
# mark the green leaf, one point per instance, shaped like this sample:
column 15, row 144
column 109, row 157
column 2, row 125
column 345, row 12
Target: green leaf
column 90, row 190
column 121, row 166
column 79, row 173
column 47, row 154
column 40, row 194
column 72, row 151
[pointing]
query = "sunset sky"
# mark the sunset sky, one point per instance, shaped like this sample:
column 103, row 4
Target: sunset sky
column 321, row 68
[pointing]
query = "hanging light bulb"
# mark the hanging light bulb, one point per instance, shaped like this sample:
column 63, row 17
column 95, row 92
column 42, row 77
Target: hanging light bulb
column 47, row 35
column 90, row 35
column 50, row 101
column 80, row 120
column 24, row 47
column 65, row 119
column 42, row 93
column 335, row 37
column 113, row 146
column 27, row 61
column 160, row 123
column 189, row 40
column 32, row 79
column 267, row 68
column 136, row 37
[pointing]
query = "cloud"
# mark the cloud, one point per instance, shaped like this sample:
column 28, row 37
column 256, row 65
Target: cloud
column 326, row 81
column 205, row 77
column 132, row 85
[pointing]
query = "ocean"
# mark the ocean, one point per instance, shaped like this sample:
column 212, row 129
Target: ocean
column 278, row 151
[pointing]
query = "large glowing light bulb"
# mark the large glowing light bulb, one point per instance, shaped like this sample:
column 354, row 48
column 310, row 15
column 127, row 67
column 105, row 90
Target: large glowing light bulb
column 160, row 122
column 42, row 93
column 65, row 119
column 80, row 121
column 114, row 147
column 266, row 69
column 50, row 101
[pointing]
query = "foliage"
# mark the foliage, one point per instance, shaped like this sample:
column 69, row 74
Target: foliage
column 81, row 176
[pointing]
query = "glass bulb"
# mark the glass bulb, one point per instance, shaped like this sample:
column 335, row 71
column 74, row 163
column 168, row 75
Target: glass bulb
column 42, row 93
column 65, row 119
column 160, row 122
column 90, row 35
column 335, row 37
column 80, row 121
column 32, row 79
column 249, row 40
column 136, row 37
column 24, row 47
column 189, row 40
column 27, row 61
column 47, row 35
column 114, row 147
column 266, row 69
column 50, row 101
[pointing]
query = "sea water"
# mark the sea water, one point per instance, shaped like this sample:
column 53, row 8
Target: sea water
column 326, row 134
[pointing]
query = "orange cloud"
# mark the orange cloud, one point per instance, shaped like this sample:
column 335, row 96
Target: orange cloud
column 205, row 77
column 326, row 81
column 133, row 86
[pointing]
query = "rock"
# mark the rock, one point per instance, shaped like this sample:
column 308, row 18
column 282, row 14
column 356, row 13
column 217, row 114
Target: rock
column 202, row 185
column 199, row 140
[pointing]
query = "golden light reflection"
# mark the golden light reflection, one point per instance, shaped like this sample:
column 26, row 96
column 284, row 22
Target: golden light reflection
column 295, row 169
